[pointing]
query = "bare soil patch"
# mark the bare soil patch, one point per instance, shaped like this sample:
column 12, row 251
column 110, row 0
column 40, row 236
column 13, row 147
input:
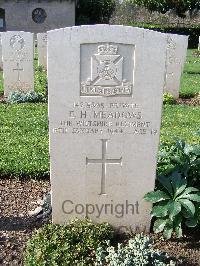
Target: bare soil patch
column 195, row 101
column 16, row 226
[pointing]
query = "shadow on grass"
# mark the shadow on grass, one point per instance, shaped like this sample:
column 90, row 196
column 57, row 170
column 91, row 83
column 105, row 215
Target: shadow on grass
column 192, row 72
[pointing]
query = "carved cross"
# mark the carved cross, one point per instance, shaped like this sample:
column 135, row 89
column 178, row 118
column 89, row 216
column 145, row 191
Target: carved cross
column 103, row 161
column 18, row 69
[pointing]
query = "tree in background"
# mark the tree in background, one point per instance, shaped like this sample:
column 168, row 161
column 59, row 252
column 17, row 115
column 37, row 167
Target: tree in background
column 94, row 11
column 180, row 6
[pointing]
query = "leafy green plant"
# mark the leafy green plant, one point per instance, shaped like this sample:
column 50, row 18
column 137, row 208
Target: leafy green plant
column 72, row 244
column 137, row 252
column 183, row 158
column 168, row 98
column 175, row 204
column 22, row 97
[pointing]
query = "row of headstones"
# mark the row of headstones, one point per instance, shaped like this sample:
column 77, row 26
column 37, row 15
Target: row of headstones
column 18, row 53
column 17, row 59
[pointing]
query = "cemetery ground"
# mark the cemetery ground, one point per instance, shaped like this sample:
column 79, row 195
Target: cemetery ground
column 24, row 165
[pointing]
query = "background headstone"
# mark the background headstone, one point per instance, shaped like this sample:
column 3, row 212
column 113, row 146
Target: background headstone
column 17, row 51
column 105, row 99
column 42, row 49
column 199, row 44
column 1, row 60
column 176, row 56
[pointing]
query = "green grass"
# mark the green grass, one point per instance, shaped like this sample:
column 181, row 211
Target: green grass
column 192, row 64
column 180, row 122
column 24, row 140
column 190, row 80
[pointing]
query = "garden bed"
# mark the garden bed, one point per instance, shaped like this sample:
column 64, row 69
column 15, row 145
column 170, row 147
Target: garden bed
column 17, row 199
column 16, row 227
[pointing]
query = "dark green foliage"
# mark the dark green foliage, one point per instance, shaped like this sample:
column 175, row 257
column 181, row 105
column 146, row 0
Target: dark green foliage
column 183, row 158
column 174, row 205
column 192, row 31
column 72, row 244
column 94, row 11
column 177, row 195
column 180, row 6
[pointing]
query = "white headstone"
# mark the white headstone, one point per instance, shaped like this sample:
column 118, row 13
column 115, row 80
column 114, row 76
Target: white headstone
column 199, row 44
column 176, row 57
column 105, row 99
column 42, row 49
column 17, row 51
column 1, row 60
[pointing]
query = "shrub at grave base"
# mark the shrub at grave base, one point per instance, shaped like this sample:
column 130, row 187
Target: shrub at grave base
column 21, row 97
column 138, row 252
column 72, row 244
column 175, row 204
column 183, row 158
column 168, row 98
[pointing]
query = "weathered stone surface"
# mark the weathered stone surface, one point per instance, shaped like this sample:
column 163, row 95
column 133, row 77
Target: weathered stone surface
column 17, row 51
column 42, row 49
column 105, row 98
column 176, row 56
column 1, row 61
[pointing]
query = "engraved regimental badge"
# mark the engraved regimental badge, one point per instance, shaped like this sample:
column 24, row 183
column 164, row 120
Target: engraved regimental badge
column 17, row 42
column 106, row 74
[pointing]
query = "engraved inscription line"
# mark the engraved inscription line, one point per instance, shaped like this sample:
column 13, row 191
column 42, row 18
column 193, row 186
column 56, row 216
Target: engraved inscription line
column 104, row 161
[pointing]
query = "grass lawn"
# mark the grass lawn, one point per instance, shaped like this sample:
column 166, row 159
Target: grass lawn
column 24, row 140
column 190, row 81
column 180, row 122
